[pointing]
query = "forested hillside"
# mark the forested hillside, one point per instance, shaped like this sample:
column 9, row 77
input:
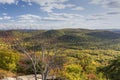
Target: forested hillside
column 76, row 38
column 67, row 54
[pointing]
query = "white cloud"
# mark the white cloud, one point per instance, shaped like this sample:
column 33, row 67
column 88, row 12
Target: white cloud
column 78, row 8
column 113, row 4
column 62, row 17
column 5, row 18
column 69, row 21
column 4, row 14
column 28, row 18
column 53, row 20
column 63, row 20
column 7, row 1
column 51, row 17
column 95, row 1
column 46, row 5
column 44, row 2
column 50, row 5
column 101, row 20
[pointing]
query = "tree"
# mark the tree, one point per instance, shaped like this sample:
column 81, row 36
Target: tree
column 72, row 72
column 8, row 60
column 49, row 54
column 112, row 71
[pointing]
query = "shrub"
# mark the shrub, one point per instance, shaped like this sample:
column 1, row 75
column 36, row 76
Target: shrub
column 8, row 60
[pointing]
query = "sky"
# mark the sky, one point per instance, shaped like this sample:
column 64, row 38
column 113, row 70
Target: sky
column 58, row 14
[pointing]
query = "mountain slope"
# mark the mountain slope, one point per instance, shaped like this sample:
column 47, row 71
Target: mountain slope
column 73, row 38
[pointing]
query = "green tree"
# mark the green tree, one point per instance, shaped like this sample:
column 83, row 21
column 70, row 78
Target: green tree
column 72, row 72
column 112, row 71
column 8, row 60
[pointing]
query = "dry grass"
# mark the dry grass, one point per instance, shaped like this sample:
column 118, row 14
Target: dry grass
column 4, row 73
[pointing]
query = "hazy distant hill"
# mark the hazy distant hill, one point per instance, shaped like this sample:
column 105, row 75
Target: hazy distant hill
column 73, row 38
column 113, row 30
column 105, row 34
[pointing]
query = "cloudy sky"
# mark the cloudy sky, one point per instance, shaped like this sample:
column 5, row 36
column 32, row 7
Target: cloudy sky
column 56, row 14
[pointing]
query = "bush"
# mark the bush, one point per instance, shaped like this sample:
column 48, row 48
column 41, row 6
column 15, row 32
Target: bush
column 8, row 60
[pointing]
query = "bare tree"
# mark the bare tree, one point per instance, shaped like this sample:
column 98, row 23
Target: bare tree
column 46, row 46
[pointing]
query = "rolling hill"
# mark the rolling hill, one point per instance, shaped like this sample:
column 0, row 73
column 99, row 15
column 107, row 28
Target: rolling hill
column 72, row 38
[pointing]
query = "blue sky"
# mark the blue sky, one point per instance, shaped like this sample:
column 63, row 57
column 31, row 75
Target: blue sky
column 57, row 14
